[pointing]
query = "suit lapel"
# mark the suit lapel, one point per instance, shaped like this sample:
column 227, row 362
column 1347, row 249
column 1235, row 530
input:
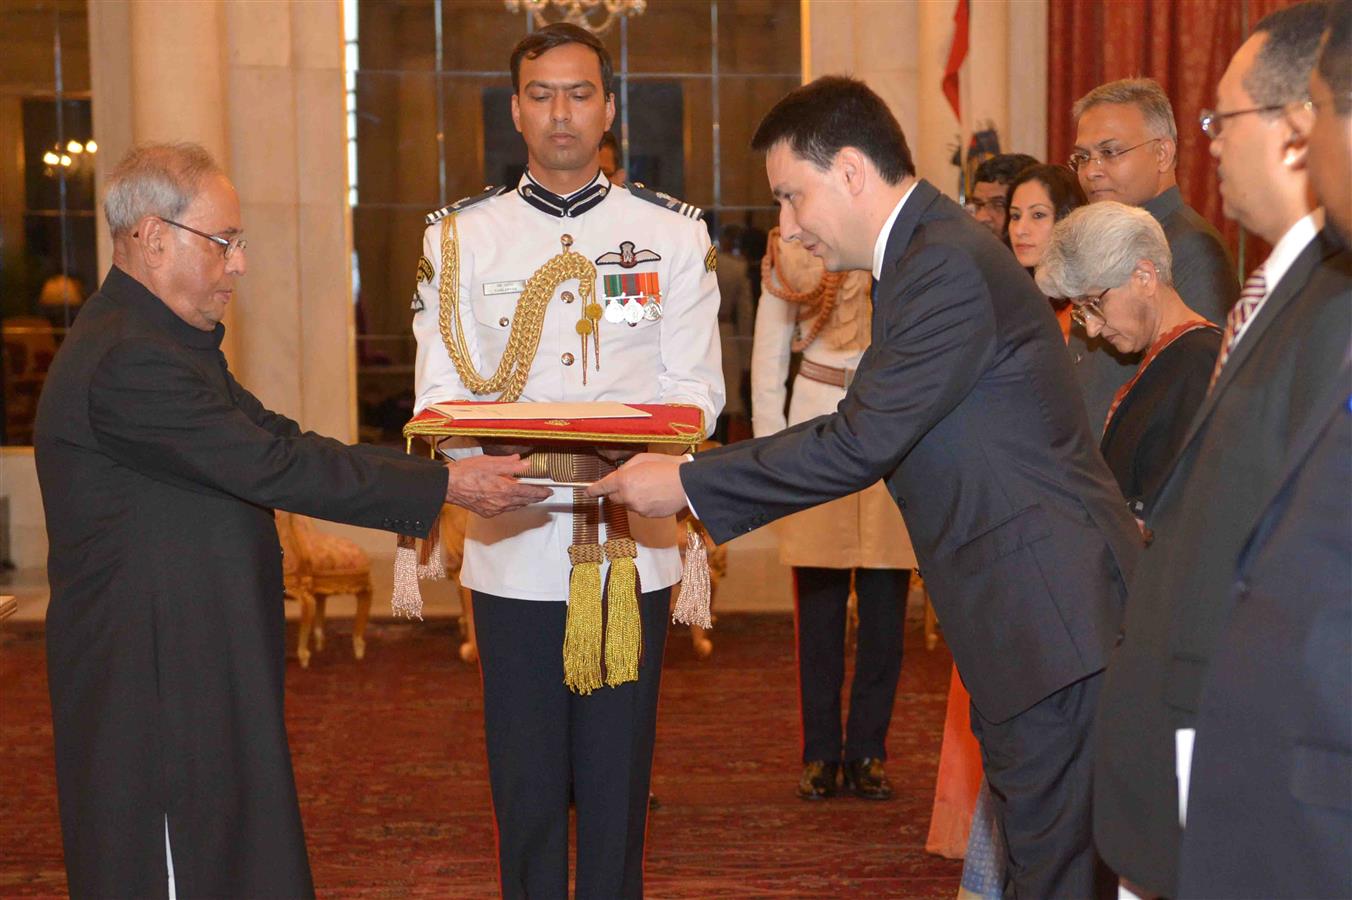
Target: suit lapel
column 1295, row 278
column 903, row 229
column 1336, row 400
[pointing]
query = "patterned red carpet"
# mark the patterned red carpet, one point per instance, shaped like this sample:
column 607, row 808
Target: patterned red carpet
column 394, row 791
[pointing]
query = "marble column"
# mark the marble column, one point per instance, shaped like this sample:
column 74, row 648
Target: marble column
column 260, row 85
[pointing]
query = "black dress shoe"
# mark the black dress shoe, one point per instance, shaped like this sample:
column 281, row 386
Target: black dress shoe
column 818, row 781
column 866, row 778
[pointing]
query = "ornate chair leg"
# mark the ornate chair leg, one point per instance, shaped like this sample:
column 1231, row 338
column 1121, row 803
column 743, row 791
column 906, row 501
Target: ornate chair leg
column 469, row 648
column 307, row 619
column 321, row 601
column 359, row 623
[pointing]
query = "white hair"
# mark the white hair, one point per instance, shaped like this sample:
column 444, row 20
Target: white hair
column 1097, row 247
column 155, row 180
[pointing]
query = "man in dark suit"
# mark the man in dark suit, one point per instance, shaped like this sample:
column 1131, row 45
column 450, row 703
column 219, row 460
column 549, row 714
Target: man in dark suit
column 1270, row 807
column 159, row 474
column 1283, row 345
column 1126, row 149
column 966, row 405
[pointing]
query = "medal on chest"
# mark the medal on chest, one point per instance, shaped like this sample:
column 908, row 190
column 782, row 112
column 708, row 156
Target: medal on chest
column 632, row 297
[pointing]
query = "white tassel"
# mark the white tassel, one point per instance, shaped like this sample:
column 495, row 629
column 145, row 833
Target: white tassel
column 435, row 569
column 407, row 599
column 692, row 606
column 431, row 558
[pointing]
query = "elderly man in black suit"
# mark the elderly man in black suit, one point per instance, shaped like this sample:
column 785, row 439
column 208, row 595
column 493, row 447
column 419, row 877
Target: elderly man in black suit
column 1126, row 149
column 159, row 474
column 965, row 403
column 1283, row 346
column 1269, row 809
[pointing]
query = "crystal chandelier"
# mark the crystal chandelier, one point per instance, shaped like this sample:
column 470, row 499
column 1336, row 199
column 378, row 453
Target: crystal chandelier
column 597, row 16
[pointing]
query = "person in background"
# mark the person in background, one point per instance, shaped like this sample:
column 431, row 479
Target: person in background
column 1126, row 149
column 611, row 159
column 736, row 320
column 1326, row 123
column 990, row 188
column 1039, row 197
column 1113, row 263
column 1276, row 709
column 859, row 539
column 1283, row 348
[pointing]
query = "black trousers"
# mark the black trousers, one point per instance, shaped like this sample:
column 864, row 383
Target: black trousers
column 820, row 601
column 543, row 739
column 1039, row 765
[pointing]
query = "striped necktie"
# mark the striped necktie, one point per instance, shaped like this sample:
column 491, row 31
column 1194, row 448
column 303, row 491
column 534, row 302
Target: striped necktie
column 1255, row 288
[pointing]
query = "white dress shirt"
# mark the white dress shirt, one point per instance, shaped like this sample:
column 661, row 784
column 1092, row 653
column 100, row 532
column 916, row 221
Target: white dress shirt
column 1279, row 261
column 880, row 245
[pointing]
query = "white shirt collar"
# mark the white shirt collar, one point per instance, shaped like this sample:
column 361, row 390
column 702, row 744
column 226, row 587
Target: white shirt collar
column 1275, row 267
column 1291, row 245
column 880, row 246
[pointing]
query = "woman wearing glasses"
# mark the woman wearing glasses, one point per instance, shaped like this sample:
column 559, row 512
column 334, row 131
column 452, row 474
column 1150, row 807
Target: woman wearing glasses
column 1113, row 263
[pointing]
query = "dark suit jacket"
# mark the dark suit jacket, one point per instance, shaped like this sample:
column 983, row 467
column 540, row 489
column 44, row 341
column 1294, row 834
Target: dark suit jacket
column 1204, row 277
column 1270, row 803
column 966, row 404
column 1180, row 597
column 165, row 629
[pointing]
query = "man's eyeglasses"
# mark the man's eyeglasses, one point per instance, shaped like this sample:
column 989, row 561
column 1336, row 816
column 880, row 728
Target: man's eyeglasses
column 1212, row 121
column 1089, row 309
column 1105, row 156
column 229, row 245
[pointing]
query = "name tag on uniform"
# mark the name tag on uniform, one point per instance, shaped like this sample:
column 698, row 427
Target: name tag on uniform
column 493, row 288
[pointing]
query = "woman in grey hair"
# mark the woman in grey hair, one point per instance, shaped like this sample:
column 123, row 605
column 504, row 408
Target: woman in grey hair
column 1113, row 263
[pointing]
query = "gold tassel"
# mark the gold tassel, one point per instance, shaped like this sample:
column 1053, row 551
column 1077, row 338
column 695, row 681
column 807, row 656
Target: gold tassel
column 431, row 559
column 407, row 599
column 624, row 632
column 582, row 628
column 692, row 606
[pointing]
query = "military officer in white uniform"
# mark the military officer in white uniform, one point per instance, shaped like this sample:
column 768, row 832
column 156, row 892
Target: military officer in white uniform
column 654, row 339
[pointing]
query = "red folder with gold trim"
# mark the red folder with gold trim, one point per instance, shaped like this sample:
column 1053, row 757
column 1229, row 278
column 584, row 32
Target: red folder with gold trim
column 677, row 424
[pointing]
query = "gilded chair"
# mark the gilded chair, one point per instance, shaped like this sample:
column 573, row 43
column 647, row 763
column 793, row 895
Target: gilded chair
column 316, row 566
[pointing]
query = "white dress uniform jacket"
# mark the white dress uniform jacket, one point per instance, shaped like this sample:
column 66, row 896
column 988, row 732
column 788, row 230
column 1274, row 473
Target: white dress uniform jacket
column 673, row 358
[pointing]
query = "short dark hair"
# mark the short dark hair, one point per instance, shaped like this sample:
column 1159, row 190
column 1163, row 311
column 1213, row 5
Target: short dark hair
column 1062, row 187
column 540, row 42
column 824, row 116
column 1335, row 62
column 1281, row 71
column 609, row 140
column 1002, row 167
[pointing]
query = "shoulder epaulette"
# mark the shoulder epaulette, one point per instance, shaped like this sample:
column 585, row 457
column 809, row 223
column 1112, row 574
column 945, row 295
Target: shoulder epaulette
column 664, row 200
column 466, row 203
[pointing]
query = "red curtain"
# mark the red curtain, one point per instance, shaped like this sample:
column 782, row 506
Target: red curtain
column 1185, row 45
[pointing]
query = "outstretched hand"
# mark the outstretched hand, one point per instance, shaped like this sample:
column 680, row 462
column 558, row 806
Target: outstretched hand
column 488, row 485
column 649, row 484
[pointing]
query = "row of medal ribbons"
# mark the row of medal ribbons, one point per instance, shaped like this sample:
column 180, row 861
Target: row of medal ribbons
column 632, row 298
